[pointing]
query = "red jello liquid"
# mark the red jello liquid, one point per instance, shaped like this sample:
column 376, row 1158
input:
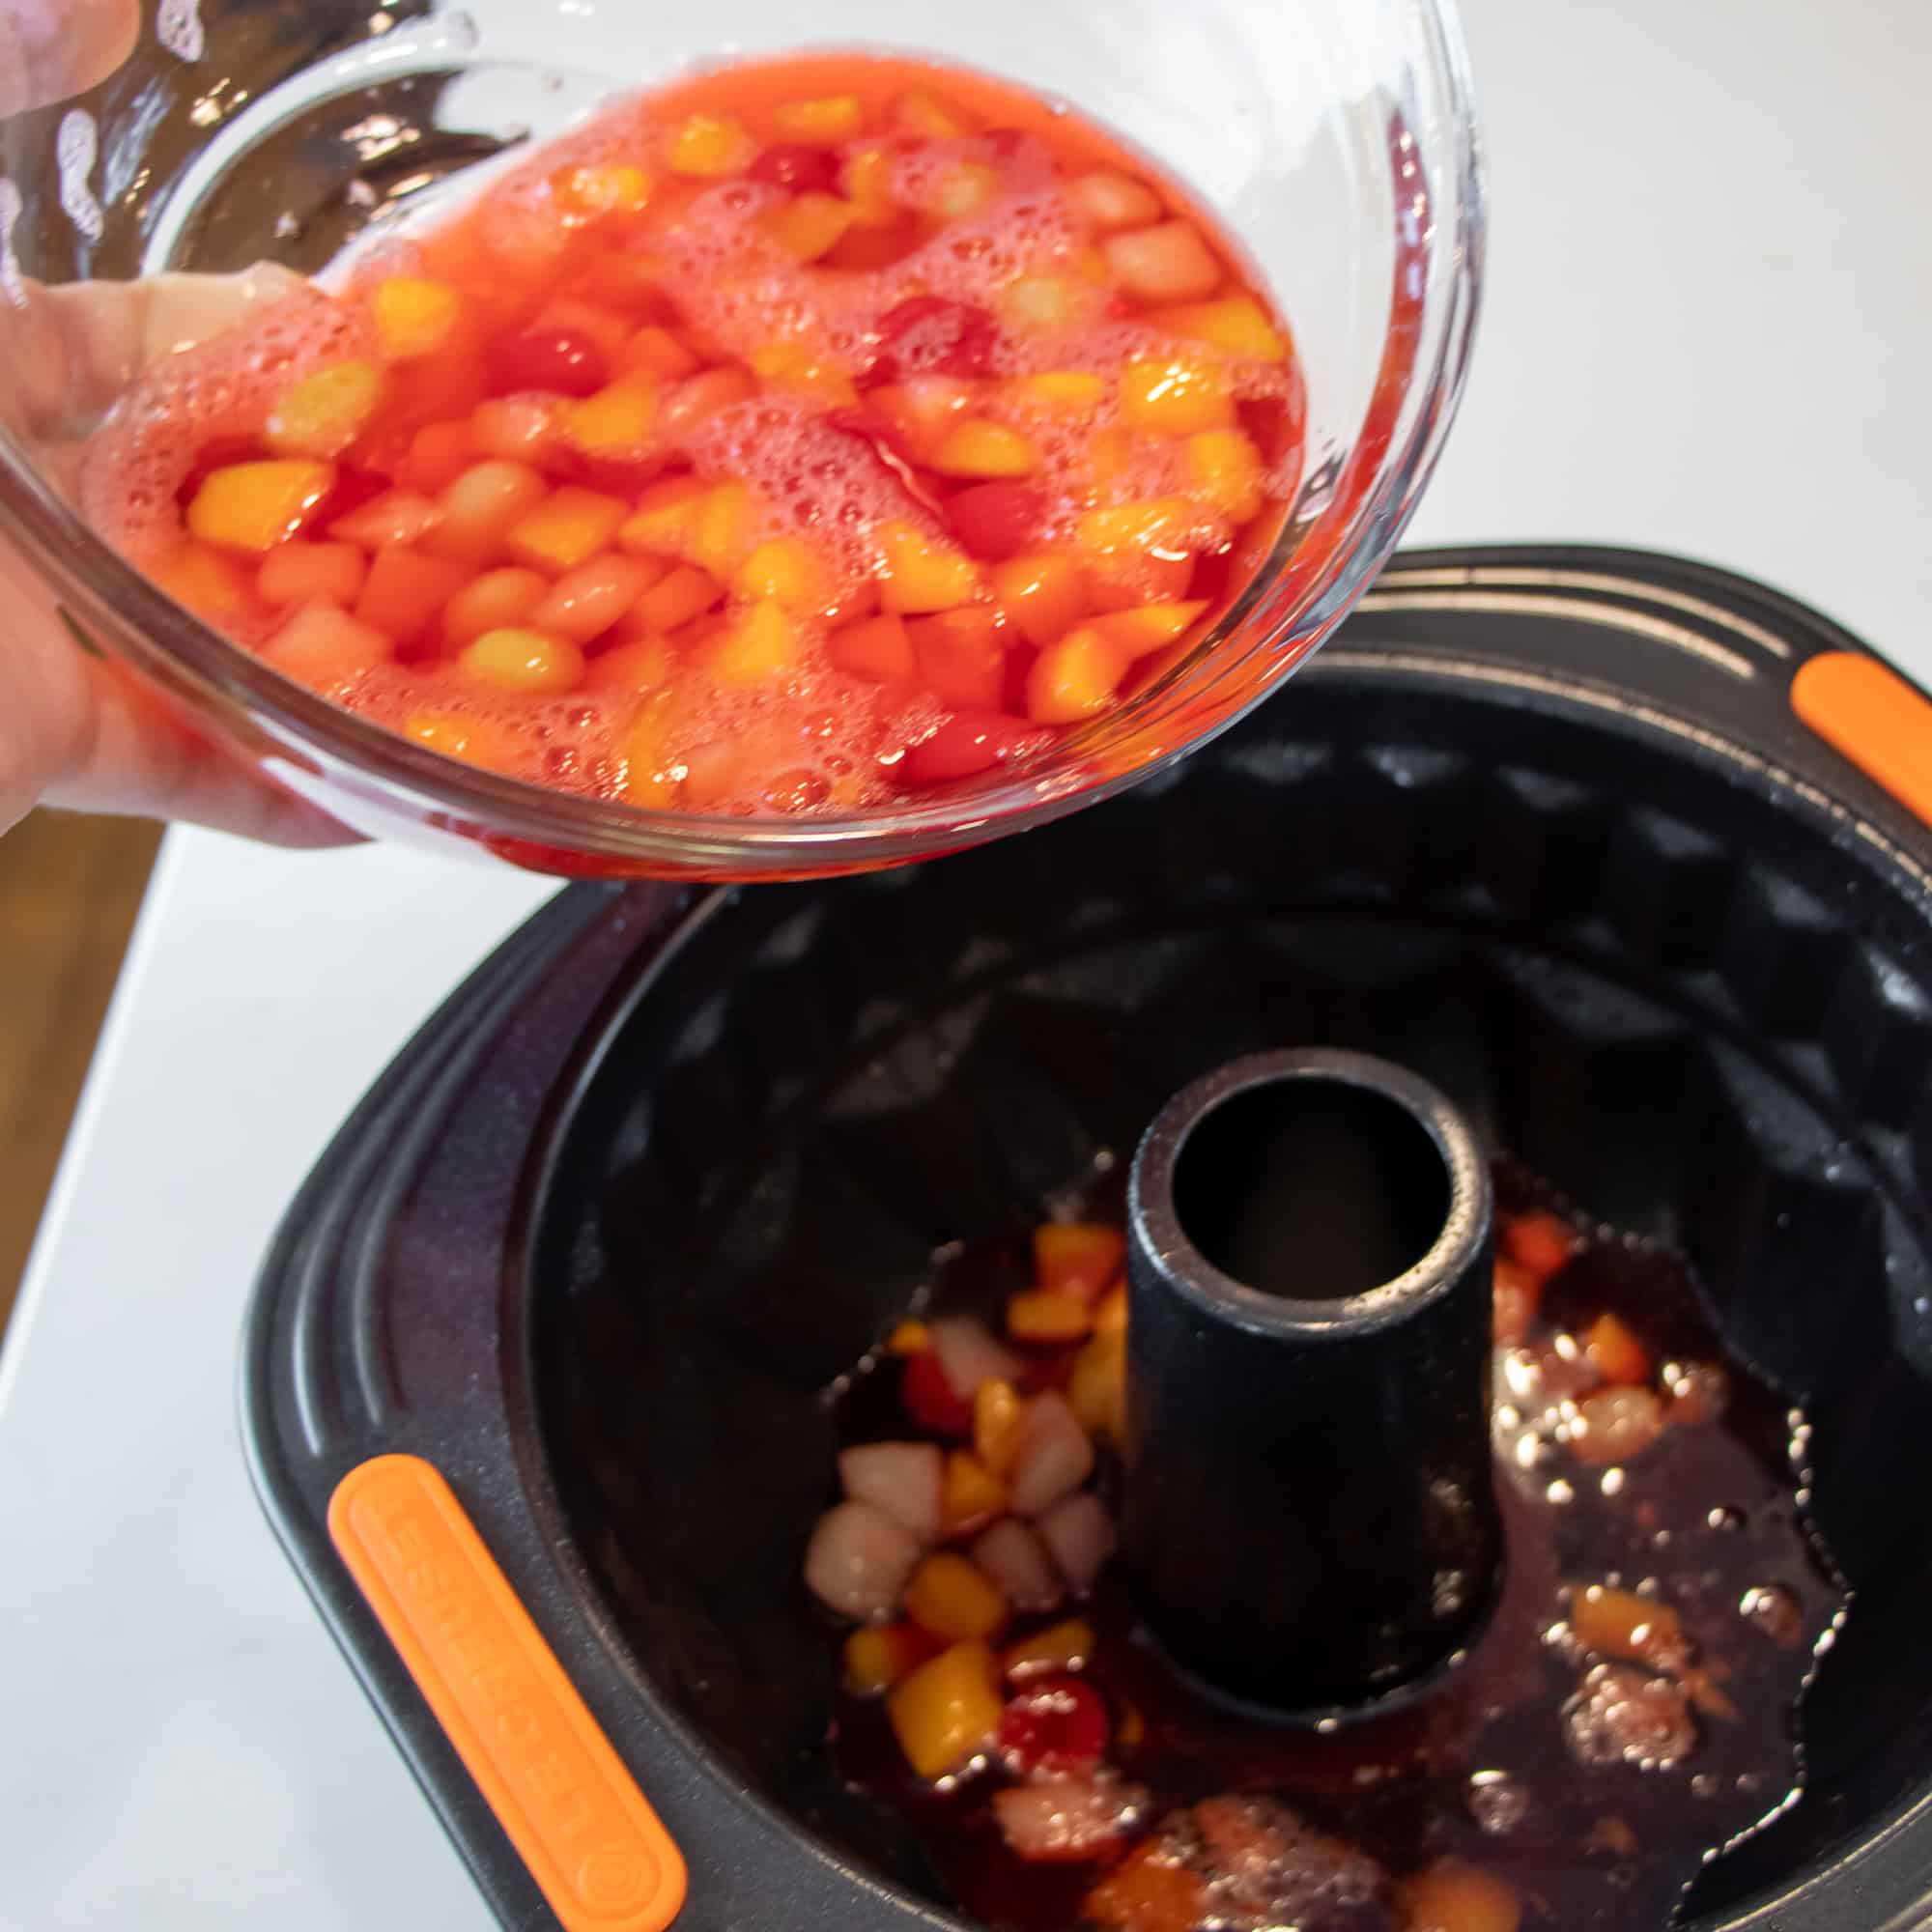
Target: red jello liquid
column 802, row 434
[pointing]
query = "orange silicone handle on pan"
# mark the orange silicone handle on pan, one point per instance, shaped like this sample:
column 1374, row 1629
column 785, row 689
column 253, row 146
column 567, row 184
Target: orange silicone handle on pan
column 577, row 1818
column 1866, row 710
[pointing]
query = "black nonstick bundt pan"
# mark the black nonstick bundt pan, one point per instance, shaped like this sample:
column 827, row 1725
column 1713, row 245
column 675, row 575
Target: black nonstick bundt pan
column 1630, row 857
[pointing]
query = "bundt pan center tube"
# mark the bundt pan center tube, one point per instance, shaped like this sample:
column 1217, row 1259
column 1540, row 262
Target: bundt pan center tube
column 1307, row 1507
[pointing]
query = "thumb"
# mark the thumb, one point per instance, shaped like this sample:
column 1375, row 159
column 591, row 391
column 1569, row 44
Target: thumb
column 52, row 48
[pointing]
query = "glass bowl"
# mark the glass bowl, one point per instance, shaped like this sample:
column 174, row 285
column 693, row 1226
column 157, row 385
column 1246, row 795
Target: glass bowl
column 1334, row 138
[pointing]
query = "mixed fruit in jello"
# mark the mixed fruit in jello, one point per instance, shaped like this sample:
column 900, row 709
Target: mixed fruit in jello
column 791, row 437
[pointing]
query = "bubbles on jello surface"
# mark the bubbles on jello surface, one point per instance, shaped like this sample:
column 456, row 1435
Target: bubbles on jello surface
column 225, row 387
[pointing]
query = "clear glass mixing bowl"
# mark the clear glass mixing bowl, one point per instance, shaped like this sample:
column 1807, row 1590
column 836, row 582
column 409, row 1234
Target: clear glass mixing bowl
column 1335, row 139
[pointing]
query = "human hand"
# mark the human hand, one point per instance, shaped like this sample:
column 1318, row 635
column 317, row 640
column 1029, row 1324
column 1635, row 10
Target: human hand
column 77, row 730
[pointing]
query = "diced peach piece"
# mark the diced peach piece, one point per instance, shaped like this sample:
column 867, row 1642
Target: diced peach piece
column 785, row 569
column 1080, row 1258
column 909, row 1338
column 518, row 429
column 717, row 538
column 654, row 351
column 923, row 408
column 999, row 1425
column 876, row 1659
column 1617, row 1424
column 1168, row 263
column 1147, row 627
column 677, row 598
column 1141, row 527
column 877, row 649
column 1226, row 468
column 703, row 395
column 1540, row 1242
column 954, row 1598
column 405, row 591
column 1110, row 1315
column 824, row 119
column 1614, row 1351
column 867, row 181
column 1236, row 325
column 1619, row 1623
column 589, row 191
column 587, row 601
column 960, row 657
column 1176, row 396
column 439, row 453
column 1046, row 594
column 1149, row 1891
column 1045, row 301
column 395, row 517
column 805, row 371
column 1046, row 1315
column 568, row 527
column 616, row 421
column 947, row 1711
column 1451, row 1896
column 1072, row 392
column 1097, row 1389
column 522, row 661
column 979, row 447
column 253, row 507
column 921, row 573
column 643, row 664
column 413, row 316
column 213, row 587
column 322, row 645
column 311, row 573
column 1059, row 1649
column 325, row 413
column 919, row 111
column 649, row 781
column 706, row 145
column 810, row 225
column 499, row 600
column 970, row 1493
column 477, row 512
column 755, row 649
column 1110, row 199
column 663, row 517
column 476, row 741
column 1515, row 1293
column 1075, row 677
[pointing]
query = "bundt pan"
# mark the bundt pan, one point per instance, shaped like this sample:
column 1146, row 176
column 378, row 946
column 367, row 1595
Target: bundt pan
column 1567, row 832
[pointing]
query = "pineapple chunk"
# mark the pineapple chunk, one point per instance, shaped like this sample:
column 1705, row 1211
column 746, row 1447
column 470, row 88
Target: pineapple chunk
column 568, row 527
column 784, row 569
column 325, row 413
column 830, row 118
column 755, row 648
column 413, row 317
column 253, row 507
column 522, row 660
column 948, row 1711
column 617, row 421
column 707, row 145
column 1063, row 391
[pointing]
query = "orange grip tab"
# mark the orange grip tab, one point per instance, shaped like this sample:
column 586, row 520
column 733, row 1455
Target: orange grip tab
column 1870, row 714
column 574, row 1813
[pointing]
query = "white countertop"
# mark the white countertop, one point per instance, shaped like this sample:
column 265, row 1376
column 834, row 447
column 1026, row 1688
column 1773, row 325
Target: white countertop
column 1672, row 356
